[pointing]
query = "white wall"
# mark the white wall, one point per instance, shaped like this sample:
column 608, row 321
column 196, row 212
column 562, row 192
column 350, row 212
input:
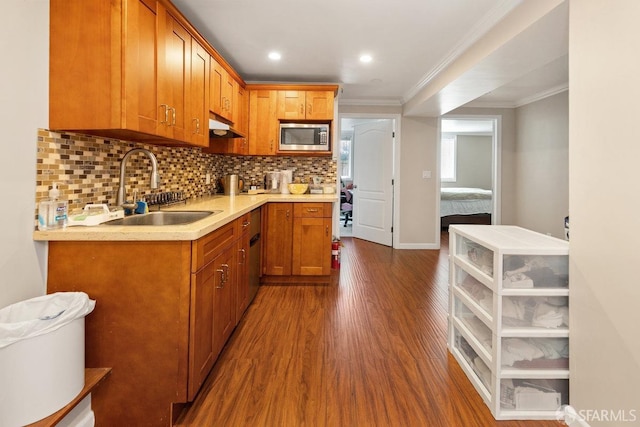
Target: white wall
column 419, row 225
column 418, row 221
column 473, row 162
column 24, row 47
column 604, row 158
column 542, row 165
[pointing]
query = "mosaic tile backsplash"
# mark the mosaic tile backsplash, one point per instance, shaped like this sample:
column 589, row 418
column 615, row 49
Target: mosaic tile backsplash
column 87, row 168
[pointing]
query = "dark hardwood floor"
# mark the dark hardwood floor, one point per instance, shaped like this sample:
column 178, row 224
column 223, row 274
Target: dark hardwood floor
column 369, row 351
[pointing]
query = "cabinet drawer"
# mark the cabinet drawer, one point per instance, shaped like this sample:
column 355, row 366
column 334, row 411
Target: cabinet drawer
column 243, row 224
column 206, row 248
column 312, row 210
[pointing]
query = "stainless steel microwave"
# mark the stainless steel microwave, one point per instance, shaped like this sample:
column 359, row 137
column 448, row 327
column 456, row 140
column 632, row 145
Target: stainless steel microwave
column 304, row 136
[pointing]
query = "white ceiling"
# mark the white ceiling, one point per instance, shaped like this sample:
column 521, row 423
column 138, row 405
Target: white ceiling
column 411, row 41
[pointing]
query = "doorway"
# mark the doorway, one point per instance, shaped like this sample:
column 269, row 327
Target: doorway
column 366, row 170
column 469, row 170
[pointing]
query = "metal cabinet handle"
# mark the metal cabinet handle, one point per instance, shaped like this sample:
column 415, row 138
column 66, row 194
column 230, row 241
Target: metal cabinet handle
column 197, row 130
column 287, row 213
column 166, row 114
column 312, row 210
column 309, row 110
column 221, row 285
column 244, row 255
column 301, row 108
column 173, row 121
column 326, row 232
column 246, row 224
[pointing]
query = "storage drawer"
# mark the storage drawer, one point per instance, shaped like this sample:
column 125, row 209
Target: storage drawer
column 547, row 312
column 312, row 210
column 475, row 254
column 478, row 292
column 478, row 329
column 474, row 361
column 535, row 353
column 533, row 394
column 207, row 248
column 536, row 271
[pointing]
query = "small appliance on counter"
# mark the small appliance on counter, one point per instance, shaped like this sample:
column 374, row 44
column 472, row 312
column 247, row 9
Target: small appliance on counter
column 316, row 187
column 272, row 182
column 286, row 178
column 232, row 185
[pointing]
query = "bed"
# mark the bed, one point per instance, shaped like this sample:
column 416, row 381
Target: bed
column 463, row 205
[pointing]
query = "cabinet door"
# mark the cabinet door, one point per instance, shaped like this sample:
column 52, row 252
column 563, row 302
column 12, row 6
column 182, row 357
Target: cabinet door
column 242, row 290
column 319, row 105
column 278, row 239
column 119, row 92
column 173, row 75
column 224, row 308
column 216, row 77
column 263, row 124
column 311, row 254
column 141, row 67
column 199, row 99
column 201, row 351
column 229, row 91
column 222, row 88
column 291, row 105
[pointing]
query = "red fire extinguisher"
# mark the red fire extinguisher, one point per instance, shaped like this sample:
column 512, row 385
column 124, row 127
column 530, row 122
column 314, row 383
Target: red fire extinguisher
column 335, row 254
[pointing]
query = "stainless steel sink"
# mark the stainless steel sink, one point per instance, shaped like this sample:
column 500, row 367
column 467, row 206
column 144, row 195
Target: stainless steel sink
column 164, row 218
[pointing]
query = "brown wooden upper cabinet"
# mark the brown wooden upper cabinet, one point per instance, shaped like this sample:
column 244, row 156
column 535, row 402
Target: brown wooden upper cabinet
column 134, row 70
column 199, row 123
column 271, row 104
column 305, row 105
column 223, row 92
column 263, row 123
column 119, row 69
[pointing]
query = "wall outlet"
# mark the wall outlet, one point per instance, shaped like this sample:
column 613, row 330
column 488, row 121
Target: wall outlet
column 426, row 174
column 207, row 178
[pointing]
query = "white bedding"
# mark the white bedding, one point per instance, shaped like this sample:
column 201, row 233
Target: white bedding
column 465, row 201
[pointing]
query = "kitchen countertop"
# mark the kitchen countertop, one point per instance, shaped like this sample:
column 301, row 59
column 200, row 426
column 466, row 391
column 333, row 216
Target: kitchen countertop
column 232, row 207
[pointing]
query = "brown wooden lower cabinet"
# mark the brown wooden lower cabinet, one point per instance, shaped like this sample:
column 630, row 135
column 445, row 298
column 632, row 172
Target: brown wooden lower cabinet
column 164, row 310
column 297, row 245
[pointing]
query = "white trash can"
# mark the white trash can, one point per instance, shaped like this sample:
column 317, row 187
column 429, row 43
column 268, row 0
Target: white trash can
column 41, row 355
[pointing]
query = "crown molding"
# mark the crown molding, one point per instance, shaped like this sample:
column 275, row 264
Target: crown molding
column 542, row 95
column 371, row 102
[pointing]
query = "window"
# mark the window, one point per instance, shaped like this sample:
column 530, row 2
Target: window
column 345, row 159
column 448, row 158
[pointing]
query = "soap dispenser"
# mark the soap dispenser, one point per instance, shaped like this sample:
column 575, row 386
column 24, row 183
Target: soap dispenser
column 52, row 212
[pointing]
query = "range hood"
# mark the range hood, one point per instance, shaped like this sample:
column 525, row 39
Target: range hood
column 218, row 129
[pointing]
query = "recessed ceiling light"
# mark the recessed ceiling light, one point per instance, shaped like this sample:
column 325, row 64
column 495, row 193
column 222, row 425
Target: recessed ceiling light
column 274, row 56
column 365, row 58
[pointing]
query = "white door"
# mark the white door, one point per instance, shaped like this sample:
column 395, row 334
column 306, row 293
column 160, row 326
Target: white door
column 372, row 181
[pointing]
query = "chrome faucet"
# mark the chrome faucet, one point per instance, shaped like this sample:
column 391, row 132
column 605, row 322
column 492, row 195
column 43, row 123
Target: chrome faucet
column 154, row 172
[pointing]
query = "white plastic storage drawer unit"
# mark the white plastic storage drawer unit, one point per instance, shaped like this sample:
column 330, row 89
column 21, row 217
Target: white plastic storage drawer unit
column 509, row 317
